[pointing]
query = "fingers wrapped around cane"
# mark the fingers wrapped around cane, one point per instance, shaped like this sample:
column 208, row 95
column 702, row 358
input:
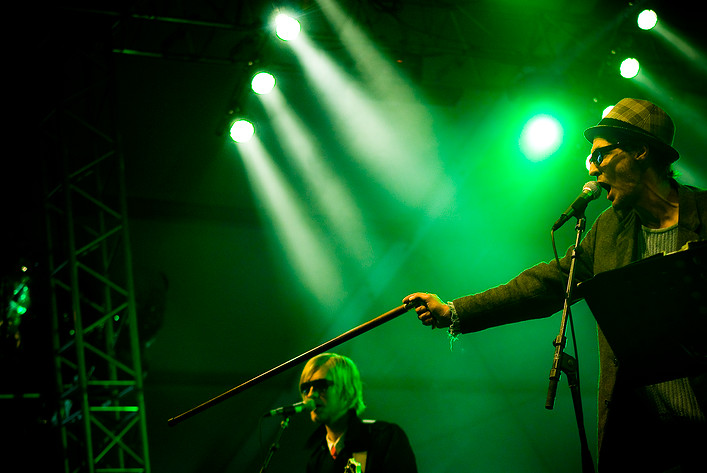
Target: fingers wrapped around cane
column 429, row 309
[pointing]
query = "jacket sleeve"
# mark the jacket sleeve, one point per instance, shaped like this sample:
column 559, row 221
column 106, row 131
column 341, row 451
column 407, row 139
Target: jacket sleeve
column 535, row 293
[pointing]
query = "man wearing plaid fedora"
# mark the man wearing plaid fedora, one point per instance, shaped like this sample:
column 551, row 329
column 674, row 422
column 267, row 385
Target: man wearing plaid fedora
column 655, row 428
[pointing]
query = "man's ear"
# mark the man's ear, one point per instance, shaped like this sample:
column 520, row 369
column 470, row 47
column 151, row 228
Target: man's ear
column 642, row 152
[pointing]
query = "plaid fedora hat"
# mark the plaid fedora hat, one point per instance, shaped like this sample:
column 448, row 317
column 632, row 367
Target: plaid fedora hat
column 639, row 119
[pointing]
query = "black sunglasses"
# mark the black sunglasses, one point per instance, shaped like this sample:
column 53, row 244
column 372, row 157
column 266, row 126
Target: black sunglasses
column 319, row 385
column 599, row 154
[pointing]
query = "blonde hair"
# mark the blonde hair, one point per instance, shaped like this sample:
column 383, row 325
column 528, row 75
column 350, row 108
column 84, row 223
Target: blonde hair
column 344, row 374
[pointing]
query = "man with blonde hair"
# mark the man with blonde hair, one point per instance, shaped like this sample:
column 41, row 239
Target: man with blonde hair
column 345, row 442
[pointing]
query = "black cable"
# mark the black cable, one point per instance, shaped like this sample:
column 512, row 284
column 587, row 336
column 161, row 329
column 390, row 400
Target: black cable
column 569, row 313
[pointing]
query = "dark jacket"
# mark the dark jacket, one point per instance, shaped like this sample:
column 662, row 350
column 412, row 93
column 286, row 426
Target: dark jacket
column 539, row 291
column 387, row 446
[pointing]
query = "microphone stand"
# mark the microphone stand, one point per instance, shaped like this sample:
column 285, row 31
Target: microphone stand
column 275, row 445
column 562, row 362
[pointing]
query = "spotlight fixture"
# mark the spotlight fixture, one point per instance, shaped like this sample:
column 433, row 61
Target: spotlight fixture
column 262, row 83
column 286, row 27
column 647, row 19
column 541, row 136
column 242, row 131
column 629, row 68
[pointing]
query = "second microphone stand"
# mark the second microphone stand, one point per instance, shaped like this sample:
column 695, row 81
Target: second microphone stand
column 275, row 445
column 562, row 362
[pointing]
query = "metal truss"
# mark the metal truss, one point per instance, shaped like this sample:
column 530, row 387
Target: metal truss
column 97, row 347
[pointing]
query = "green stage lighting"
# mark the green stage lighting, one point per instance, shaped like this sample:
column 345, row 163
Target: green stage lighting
column 242, row 131
column 286, row 27
column 629, row 68
column 647, row 19
column 262, row 83
column 541, row 137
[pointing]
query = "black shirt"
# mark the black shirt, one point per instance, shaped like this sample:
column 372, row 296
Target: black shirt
column 388, row 448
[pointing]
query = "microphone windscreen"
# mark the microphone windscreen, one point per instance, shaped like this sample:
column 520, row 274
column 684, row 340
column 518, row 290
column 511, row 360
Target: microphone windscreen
column 593, row 188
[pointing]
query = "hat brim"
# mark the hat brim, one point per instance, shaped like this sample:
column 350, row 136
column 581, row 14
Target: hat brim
column 613, row 126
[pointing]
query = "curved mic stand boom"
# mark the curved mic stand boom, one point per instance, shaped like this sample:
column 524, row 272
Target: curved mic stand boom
column 354, row 332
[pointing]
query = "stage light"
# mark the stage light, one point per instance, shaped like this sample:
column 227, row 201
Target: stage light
column 262, row 83
column 606, row 111
column 326, row 187
column 541, row 137
column 629, row 68
column 307, row 246
column 242, row 131
column 647, row 19
column 286, row 27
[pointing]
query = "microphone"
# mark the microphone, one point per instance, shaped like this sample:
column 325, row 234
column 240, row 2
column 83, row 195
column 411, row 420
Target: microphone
column 590, row 191
column 296, row 408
